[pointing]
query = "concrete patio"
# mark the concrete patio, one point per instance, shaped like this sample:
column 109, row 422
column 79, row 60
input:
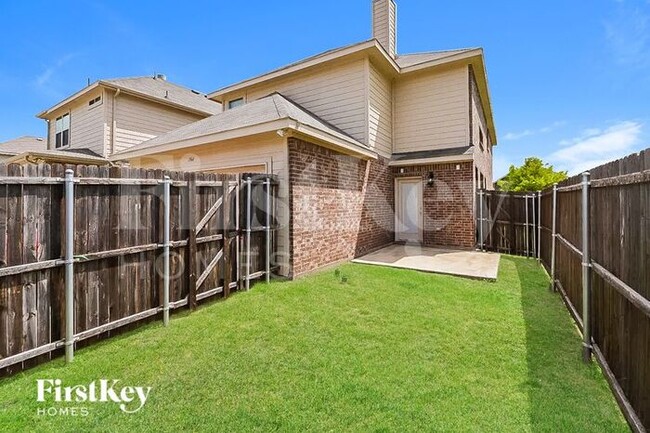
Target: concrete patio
column 471, row 264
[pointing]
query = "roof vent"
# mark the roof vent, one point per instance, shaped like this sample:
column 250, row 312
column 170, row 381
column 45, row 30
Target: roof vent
column 167, row 94
column 162, row 77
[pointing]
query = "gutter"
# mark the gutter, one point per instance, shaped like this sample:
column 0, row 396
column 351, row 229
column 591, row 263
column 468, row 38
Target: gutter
column 113, row 122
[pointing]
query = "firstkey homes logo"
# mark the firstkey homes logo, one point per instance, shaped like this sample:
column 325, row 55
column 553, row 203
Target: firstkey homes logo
column 73, row 400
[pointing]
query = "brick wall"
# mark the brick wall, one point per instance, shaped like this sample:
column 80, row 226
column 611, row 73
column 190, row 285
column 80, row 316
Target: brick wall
column 482, row 156
column 448, row 205
column 341, row 206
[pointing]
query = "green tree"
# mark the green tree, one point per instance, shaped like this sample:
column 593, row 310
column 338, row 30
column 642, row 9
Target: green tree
column 534, row 175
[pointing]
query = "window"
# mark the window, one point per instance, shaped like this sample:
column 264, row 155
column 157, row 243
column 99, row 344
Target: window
column 481, row 140
column 235, row 103
column 62, row 131
column 95, row 102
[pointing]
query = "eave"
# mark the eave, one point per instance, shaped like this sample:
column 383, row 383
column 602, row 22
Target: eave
column 105, row 85
column 285, row 127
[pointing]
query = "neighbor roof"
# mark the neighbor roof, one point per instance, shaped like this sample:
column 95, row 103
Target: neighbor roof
column 275, row 111
column 62, row 156
column 153, row 88
column 22, row 144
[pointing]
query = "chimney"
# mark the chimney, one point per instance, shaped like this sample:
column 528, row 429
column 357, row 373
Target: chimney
column 384, row 24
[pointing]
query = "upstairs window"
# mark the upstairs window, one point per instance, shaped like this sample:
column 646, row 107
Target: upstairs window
column 62, row 131
column 95, row 102
column 235, row 103
column 481, row 139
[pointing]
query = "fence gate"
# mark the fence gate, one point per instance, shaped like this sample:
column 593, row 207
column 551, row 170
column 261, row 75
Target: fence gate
column 87, row 250
column 508, row 222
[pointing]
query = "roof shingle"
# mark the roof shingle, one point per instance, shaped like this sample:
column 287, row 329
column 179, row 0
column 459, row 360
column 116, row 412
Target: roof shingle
column 163, row 90
column 23, row 144
column 407, row 60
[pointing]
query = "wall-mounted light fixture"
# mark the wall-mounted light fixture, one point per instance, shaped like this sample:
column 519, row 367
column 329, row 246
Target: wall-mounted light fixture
column 430, row 179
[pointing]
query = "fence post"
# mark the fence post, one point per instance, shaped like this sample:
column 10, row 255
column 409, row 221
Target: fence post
column 553, row 236
column 166, row 240
column 69, row 266
column 534, row 217
column 268, row 229
column 249, row 184
column 586, row 272
column 480, row 204
column 527, row 228
column 191, row 241
column 539, row 226
column 238, row 237
column 227, row 263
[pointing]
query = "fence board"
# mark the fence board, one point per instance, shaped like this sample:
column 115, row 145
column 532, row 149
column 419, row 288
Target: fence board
column 619, row 239
column 117, row 237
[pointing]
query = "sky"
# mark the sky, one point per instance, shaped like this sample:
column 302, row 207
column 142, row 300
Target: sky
column 569, row 80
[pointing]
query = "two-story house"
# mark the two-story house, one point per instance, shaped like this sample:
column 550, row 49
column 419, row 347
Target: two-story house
column 110, row 116
column 371, row 146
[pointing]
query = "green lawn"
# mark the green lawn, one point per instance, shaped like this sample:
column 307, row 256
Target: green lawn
column 386, row 350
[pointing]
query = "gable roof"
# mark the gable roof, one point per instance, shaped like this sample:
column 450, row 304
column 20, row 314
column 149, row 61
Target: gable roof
column 272, row 113
column 318, row 59
column 164, row 91
column 401, row 64
column 156, row 89
column 22, row 144
column 408, row 60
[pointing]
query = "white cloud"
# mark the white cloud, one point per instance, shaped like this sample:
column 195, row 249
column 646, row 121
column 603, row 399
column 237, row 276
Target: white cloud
column 44, row 78
column 594, row 147
column 511, row 136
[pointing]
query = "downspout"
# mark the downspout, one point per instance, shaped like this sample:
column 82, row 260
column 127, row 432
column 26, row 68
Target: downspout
column 48, row 134
column 113, row 123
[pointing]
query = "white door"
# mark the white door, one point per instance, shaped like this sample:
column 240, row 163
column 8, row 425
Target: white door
column 408, row 215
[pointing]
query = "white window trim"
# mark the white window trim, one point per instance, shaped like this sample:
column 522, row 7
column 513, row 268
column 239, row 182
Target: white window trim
column 69, row 114
column 96, row 104
column 243, row 101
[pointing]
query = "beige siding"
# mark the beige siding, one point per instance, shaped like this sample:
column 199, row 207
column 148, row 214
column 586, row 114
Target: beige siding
column 267, row 150
column 384, row 26
column 86, row 125
column 138, row 120
column 336, row 94
column 380, row 112
column 432, row 110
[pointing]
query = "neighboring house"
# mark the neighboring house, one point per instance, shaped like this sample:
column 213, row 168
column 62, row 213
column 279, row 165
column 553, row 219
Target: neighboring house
column 109, row 116
column 11, row 148
column 371, row 146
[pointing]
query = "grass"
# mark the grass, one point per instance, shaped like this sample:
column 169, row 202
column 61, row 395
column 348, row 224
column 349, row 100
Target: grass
column 382, row 350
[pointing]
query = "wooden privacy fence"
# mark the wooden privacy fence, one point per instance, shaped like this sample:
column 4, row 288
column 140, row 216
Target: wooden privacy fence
column 594, row 238
column 85, row 250
column 508, row 223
